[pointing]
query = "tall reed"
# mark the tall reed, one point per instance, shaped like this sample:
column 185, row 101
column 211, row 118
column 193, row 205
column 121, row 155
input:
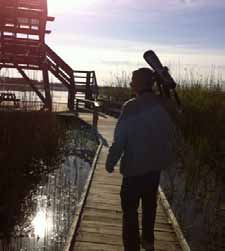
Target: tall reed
column 200, row 147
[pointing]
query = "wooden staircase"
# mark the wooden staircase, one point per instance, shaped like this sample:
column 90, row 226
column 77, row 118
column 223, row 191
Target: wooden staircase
column 86, row 84
column 81, row 84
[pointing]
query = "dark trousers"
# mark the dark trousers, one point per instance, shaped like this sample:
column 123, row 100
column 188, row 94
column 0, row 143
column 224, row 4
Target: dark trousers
column 133, row 190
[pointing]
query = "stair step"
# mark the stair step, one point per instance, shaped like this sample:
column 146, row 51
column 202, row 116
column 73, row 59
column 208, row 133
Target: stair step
column 80, row 88
column 82, row 83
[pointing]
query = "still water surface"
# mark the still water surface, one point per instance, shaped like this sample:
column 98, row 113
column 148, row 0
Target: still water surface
column 48, row 209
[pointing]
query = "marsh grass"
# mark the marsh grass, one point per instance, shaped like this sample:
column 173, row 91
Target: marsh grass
column 202, row 126
column 202, row 121
column 200, row 146
column 203, row 156
column 118, row 90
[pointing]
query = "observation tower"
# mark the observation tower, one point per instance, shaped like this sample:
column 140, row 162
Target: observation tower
column 22, row 46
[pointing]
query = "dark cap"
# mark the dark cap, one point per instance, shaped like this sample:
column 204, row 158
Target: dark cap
column 145, row 77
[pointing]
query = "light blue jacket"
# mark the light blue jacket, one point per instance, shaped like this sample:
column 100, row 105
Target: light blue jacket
column 143, row 137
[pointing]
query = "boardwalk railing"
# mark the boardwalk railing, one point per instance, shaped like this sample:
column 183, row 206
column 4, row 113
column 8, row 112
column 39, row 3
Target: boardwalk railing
column 28, row 106
column 175, row 224
column 87, row 105
column 111, row 108
column 77, row 217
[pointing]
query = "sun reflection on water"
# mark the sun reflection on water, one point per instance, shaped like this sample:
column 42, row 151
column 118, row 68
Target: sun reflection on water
column 42, row 223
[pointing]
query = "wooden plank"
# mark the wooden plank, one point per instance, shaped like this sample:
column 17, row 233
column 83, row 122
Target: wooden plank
column 116, row 227
column 166, row 227
column 90, row 246
column 28, row 31
column 84, row 246
column 23, row 13
column 36, row 5
column 112, row 213
column 104, row 206
column 113, row 240
column 22, row 66
column 116, row 231
column 25, row 41
column 105, row 187
column 117, row 220
column 110, row 179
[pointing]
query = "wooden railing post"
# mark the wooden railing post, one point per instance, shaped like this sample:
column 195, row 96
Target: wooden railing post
column 48, row 96
column 95, row 116
column 71, row 96
column 94, row 109
column 77, row 107
column 88, row 94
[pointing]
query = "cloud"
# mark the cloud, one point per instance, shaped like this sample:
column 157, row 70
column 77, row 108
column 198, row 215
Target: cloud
column 107, row 55
column 118, row 7
column 121, row 30
column 220, row 3
column 118, row 49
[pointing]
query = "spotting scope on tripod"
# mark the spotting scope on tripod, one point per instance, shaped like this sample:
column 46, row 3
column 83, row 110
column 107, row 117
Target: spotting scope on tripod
column 164, row 81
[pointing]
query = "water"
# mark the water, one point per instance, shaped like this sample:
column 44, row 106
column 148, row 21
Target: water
column 44, row 217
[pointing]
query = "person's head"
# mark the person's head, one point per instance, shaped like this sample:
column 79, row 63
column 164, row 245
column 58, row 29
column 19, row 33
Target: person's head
column 142, row 80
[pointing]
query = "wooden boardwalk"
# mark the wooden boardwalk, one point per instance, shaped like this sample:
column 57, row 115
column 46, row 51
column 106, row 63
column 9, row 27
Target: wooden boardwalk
column 101, row 219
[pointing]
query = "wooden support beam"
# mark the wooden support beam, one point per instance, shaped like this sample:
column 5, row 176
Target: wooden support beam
column 71, row 95
column 27, row 41
column 53, row 71
column 22, row 66
column 59, row 71
column 35, row 5
column 48, row 97
column 24, row 13
column 24, row 30
column 42, row 98
column 49, row 18
column 26, row 60
column 59, row 61
column 88, row 95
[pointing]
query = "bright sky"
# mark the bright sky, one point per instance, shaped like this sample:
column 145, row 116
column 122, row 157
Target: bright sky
column 111, row 36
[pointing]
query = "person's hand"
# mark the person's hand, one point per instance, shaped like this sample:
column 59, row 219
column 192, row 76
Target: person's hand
column 109, row 169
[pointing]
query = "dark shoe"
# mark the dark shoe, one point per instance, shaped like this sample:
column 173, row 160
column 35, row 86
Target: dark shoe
column 148, row 246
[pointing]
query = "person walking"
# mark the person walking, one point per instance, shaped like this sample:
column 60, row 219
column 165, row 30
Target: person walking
column 142, row 139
